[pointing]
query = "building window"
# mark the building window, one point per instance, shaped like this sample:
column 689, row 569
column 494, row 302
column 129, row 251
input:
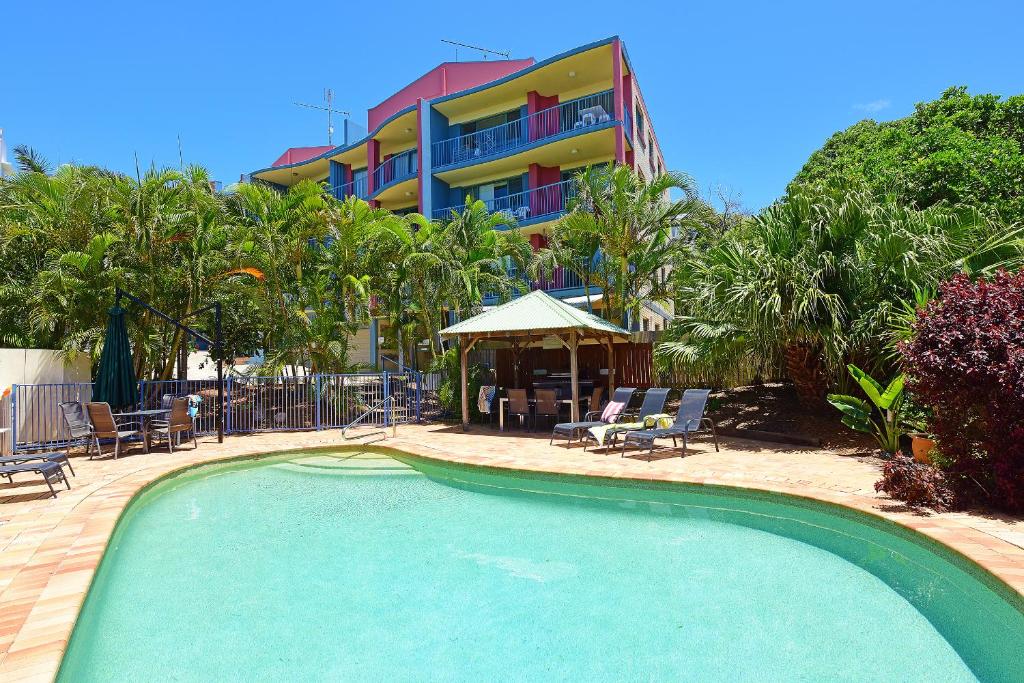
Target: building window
column 639, row 123
column 647, row 325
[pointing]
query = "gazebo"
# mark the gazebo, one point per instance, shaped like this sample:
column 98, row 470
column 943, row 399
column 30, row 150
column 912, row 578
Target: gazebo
column 529, row 321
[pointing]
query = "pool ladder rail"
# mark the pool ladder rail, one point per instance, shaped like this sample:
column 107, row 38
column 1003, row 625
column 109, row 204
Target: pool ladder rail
column 381, row 433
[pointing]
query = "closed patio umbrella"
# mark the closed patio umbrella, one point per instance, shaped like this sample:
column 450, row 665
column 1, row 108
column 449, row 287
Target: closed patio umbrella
column 115, row 379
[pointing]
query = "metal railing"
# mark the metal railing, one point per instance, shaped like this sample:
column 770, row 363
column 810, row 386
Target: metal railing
column 252, row 404
column 379, row 406
column 579, row 114
column 397, row 168
column 561, row 278
column 353, row 188
column 539, row 202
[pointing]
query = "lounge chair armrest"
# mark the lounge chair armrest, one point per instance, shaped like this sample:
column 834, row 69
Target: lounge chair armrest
column 591, row 415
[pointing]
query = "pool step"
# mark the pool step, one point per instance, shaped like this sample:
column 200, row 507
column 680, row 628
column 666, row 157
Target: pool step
column 348, row 464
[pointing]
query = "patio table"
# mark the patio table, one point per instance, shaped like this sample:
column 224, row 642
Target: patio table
column 532, row 401
column 145, row 418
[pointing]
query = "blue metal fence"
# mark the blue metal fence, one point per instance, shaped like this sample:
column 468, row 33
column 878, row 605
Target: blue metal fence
column 252, row 404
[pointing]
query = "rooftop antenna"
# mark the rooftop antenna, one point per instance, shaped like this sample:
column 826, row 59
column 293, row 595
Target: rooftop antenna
column 483, row 50
column 331, row 111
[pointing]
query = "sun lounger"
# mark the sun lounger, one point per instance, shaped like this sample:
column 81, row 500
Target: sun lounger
column 653, row 404
column 689, row 419
column 572, row 430
column 50, row 471
column 54, row 456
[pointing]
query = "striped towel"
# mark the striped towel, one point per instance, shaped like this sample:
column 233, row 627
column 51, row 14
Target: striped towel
column 656, row 421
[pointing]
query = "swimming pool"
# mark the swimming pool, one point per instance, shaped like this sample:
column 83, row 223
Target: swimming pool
column 367, row 566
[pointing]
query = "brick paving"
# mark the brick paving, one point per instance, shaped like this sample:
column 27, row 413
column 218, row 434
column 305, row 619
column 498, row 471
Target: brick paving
column 49, row 548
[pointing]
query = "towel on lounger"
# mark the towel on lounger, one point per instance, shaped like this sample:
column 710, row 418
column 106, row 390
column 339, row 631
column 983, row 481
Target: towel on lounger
column 656, row 421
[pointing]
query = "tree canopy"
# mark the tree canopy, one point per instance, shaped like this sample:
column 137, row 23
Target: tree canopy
column 959, row 149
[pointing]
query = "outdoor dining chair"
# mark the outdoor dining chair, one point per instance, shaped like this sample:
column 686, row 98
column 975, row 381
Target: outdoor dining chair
column 105, row 427
column 180, row 422
column 547, row 405
column 78, row 425
column 519, row 405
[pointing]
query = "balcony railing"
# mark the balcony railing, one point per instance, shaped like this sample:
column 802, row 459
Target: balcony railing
column 549, row 200
column 396, row 169
column 354, row 188
column 560, row 278
column 579, row 114
column 628, row 124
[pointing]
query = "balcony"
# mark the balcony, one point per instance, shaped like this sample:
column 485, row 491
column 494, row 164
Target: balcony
column 577, row 115
column 394, row 170
column 354, row 188
column 526, row 207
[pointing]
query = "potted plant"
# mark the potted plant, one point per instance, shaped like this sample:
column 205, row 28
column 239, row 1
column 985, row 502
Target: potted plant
column 882, row 418
column 915, row 420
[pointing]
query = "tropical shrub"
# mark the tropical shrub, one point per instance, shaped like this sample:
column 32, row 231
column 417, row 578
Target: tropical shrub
column 916, row 484
column 449, row 393
column 887, row 424
column 817, row 281
column 966, row 361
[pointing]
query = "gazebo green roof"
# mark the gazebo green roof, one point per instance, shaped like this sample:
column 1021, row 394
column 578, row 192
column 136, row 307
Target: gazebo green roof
column 534, row 313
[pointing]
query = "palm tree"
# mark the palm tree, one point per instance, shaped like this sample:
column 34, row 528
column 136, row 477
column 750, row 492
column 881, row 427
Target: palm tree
column 486, row 255
column 636, row 225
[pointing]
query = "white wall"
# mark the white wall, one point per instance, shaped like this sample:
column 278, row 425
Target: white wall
column 34, row 366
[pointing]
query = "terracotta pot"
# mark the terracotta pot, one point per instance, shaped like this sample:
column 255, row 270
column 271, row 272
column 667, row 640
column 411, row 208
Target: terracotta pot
column 922, row 447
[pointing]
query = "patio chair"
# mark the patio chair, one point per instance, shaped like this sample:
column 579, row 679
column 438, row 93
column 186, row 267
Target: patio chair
column 78, row 426
column 653, row 404
column 52, row 456
column 50, row 471
column 689, row 419
column 594, row 402
column 105, row 427
column 519, row 405
column 547, row 405
column 180, row 422
column 572, row 430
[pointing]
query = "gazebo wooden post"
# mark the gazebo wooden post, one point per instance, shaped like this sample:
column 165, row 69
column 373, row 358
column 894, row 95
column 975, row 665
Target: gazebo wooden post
column 464, row 345
column 574, row 374
column 611, row 366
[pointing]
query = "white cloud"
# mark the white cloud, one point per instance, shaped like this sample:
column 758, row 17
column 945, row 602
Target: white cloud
column 873, row 106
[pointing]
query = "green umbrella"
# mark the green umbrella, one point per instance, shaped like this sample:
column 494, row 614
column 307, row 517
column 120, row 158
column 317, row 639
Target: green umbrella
column 115, row 379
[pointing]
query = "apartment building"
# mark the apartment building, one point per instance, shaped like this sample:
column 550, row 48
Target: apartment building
column 510, row 133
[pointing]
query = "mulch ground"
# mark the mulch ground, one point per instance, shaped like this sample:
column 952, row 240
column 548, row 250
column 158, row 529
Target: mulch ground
column 774, row 408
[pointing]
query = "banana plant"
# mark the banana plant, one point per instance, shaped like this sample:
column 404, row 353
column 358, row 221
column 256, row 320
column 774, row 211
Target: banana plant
column 886, row 425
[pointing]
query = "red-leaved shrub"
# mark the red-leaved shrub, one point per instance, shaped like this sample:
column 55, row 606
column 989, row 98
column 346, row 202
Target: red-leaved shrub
column 966, row 361
column 916, row 484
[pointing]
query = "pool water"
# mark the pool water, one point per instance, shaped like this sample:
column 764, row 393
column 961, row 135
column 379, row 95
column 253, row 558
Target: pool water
column 357, row 566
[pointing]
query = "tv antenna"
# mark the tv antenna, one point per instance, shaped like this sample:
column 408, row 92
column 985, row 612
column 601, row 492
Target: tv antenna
column 331, row 111
column 483, row 50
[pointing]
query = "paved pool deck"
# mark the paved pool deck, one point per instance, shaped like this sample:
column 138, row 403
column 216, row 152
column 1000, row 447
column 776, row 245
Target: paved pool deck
column 50, row 547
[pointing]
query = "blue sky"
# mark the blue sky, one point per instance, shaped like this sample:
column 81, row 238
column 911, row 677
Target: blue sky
column 740, row 92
